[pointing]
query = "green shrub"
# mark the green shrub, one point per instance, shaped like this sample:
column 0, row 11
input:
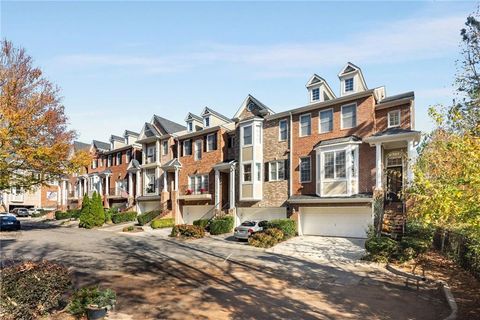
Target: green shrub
column 146, row 217
column 31, row 290
column 93, row 214
column 128, row 229
column 163, row 223
column 380, row 249
column 288, row 227
column 39, row 213
column 124, row 216
column 201, row 223
column 409, row 248
column 277, row 234
column 84, row 297
column 109, row 213
column 221, row 225
column 187, row 231
column 263, row 239
column 60, row 215
column 74, row 213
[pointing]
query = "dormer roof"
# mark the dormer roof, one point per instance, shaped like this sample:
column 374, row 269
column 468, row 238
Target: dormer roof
column 316, row 80
column 191, row 117
column 350, row 69
column 255, row 104
column 131, row 133
column 207, row 111
column 118, row 138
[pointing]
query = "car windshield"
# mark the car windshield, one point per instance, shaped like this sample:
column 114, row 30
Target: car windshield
column 7, row 218
column 248, row 224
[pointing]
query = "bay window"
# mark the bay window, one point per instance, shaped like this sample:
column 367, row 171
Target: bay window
column 247, row 172
column 247, row 135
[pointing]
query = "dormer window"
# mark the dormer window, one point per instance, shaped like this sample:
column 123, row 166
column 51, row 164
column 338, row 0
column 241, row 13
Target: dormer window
column 207, row 122
column 315, row 94
column 190, row 126
column 349, row 85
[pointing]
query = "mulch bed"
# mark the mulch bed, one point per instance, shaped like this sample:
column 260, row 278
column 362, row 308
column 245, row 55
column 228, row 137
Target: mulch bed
column 464, row 287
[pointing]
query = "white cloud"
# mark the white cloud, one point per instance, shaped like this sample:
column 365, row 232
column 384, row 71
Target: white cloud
column 405, row 40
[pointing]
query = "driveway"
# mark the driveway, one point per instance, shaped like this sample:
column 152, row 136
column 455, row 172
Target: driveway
column 159, row 278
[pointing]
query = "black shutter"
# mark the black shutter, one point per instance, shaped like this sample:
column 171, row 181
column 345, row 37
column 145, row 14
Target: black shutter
column 266, row 173
column 182, row 145
column 205, row 144
column 287, row 168
column 215, row 141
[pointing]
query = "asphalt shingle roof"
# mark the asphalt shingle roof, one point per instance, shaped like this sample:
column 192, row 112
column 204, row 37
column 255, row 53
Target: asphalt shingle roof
column 101, row 145
column 169, row 126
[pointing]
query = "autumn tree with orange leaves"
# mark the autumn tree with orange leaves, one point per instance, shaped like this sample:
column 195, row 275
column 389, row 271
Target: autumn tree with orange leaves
column 35, row 142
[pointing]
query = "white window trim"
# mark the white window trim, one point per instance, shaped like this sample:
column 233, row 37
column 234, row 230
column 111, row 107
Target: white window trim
column 205, row 121
column 195, row 150
column 191, row 148
column 276, row 162
column 190, row 123
column 345, row 85
column 242, row 138
column 334, row 179
column 280, row 130
column 258, row 172
column 341, row 116
column 252, row 173
column 319, row 94
column 210, row 135
column 300, row 169
column 300, row 124
column 163, row 147
column 320, row 120
column 389, row 125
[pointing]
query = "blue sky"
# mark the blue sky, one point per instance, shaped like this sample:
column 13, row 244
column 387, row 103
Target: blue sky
column 118, row 63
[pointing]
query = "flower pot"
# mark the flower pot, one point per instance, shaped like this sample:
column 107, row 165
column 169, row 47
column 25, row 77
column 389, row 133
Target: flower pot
column 96, row 313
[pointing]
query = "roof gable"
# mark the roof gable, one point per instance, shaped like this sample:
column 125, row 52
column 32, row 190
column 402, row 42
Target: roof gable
column 220, row 116
column 100, row 145
column 191, row 117
column 148, row 131
column 254, row 107
column 349, row 67
column 166, row 125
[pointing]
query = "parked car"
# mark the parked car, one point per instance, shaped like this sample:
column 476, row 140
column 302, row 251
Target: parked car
column 9, row 222
column 35, row 211
column 20, row 212
column 247, row 228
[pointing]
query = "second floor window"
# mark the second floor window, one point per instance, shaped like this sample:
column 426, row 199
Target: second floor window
column 326, row 121
column 165, row 147
column 198, row 149
column 305, row 169
column 187, row 147
column 211, row 142
column 247, row 135
column 349, row 116
column 151, row 154
column 334, row 165
column 316, row 94
column 109, row 161
column 128, row 156
column 305, row 125
column 277, row 170
column 119, row 158
column 394, row 118
column 283, row 130
column 94, row 163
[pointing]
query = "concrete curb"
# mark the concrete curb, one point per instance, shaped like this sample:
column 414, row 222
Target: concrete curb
column 443, row 285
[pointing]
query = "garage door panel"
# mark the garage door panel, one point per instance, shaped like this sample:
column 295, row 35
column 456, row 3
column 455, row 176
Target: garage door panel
column 339, row 222
column 192, row 213
column 261, row 213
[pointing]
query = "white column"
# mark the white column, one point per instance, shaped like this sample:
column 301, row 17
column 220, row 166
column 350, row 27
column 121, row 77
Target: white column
column 378, row 169
column 157, row 151
column 165, row 180
column 217, row 189
column 144, row 153
column 410, row 161
column 64, row 192
column 85, row 185
column 231, row 194
column 130, row 184
column 107, row 184
column 348, row 159
column 59, row 193
column 80, row 188
column 176, row 179
column 138, row 184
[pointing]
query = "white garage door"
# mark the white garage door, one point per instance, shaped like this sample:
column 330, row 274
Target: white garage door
column 336, row 221
column 244, row 214
column 146, row 206
column 192, row 213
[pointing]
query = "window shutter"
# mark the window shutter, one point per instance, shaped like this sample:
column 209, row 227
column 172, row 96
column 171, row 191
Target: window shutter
column 205, row 144
column 215, row 141
column 182, row 145
column 266, row 171
column 287, row 169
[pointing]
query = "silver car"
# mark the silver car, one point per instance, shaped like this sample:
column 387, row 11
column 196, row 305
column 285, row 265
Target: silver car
column 247, row 228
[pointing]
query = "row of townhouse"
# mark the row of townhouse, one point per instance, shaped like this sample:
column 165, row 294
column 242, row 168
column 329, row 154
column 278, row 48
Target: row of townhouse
column 318, row 164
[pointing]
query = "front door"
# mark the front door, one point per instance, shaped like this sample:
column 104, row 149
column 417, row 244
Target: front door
column 394, row 183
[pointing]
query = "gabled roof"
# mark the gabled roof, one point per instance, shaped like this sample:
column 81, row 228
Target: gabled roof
column 101, row 145
column 317, row 80
column 248, row 101
column 131, row 133
column 118, row 138
column 148, row 131
column 207, row 110
column 77, row 146
column 191, row 116
column 350, row 68
column 168, row 125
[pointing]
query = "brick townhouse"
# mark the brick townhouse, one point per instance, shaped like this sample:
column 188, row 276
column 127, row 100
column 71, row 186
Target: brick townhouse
column 318, row 163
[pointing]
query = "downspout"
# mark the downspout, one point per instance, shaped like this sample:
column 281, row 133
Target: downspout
column 290, row 185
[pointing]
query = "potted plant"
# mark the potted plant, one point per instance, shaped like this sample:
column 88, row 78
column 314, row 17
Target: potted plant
column 188, row 192
column 92, row 301
column 203, row 191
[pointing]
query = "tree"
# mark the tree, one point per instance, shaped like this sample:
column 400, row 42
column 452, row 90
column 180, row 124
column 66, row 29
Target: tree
column 35, row 142
column 92, row 213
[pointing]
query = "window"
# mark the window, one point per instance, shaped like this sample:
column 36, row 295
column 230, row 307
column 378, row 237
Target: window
column 207, row 122
column 334, row 166
column 354, row 163
column 119, row 158
column 187, row 147
column 305, row 169
column 198, row 149
column 247, row 173
column 151, row 157
column 305, row 125
column 150, row 185
column 348, row 84
column 283, row 130
column 326, row 120
column 258, row 133
column 394, row 118
column 316, row 94
column 258, row 167
column 211, row 142
column 231, row 141
column 198, row 184
column 94, row 163
column 109, row 161
column 128, row 156
column 277, row 170
column 165, row 147
column 247, row 135
column 349, row 116
column 190, row 126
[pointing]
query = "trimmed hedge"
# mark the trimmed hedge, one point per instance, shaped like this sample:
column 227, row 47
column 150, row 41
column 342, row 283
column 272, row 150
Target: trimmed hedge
column 146, row 217
column 60, row 215
column 124, row 217
column 187, row 231
column 201, row 223
column 288, row 227
column 163, row 223
column 221, row 225
column 266, row 239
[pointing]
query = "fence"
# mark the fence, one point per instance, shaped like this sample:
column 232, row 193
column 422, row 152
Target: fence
column 464, row 250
